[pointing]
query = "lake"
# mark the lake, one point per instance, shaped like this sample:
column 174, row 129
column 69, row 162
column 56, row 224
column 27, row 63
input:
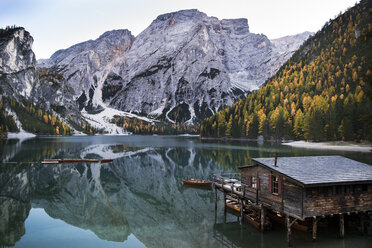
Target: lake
column 139, row 199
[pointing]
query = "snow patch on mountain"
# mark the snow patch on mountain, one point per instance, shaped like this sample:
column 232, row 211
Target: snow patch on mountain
column 103, row 120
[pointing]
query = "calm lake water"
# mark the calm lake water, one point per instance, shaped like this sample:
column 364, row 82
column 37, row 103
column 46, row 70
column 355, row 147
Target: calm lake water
column 139, row 199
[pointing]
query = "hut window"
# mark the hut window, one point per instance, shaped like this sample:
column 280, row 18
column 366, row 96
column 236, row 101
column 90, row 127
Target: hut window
column 309, row 192
column 323, row 191
column 364, row 188
column 351, row 189
column 254, row 182
column 339, row 190
column 275, row 184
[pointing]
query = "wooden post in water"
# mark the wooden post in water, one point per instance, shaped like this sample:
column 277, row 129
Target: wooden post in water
column 263, row 216
column 224, row 202
column 315, row 226
column 342, row 226
column 241, row 210
column 362, row 222
column 289, row 231
column 215, row 198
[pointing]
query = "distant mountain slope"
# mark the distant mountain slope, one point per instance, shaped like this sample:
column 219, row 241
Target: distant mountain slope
column 184, row 67
column 29, row 98
column 319, row 94
column 87, row 65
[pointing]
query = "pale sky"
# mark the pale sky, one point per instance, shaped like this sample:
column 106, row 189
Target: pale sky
column 58, row 24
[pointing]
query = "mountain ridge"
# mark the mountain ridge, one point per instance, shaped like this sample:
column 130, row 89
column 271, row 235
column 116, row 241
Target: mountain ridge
column 182, row 68
column 319, row 94
column 172, row 34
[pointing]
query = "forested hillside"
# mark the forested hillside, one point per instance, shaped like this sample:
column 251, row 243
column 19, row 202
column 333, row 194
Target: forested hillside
column 321, row 93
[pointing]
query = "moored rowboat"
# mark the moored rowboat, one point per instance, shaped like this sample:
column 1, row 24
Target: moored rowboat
column 196, row 182
column 106, row 160
column 250, row 215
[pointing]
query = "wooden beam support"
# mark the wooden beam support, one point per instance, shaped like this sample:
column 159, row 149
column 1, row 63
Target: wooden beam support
column 362, row 228
column 225, row 207
column 342, row 226
column 241, row 211
column 224, row 201
column 315, row 227
column 263, row 216
column 215, row 198
column 289, row 231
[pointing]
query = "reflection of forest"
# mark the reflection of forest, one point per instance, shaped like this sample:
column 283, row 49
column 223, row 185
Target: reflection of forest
column 228, row 158
column 35, row 150
column 140, row 193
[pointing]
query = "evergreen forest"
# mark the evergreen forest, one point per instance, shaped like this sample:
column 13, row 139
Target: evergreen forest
column 322, row 93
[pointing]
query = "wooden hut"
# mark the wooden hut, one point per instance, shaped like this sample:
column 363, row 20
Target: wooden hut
column 306, row 188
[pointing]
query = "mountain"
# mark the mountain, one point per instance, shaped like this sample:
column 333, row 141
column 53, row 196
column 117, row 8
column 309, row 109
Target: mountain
column 17, row 63
column 31, row 99
column 318, row 94
column 87, row 65
column 184, row 67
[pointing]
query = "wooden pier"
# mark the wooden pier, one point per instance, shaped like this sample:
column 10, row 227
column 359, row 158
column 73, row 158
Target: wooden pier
column 298, row 191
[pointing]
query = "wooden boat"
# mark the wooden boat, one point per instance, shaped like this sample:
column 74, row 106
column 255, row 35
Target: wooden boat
column 196, row 182
column 233, row 205
column 298, row 225
column 250, row 215
column 106, row 160
column 50, row 162
column 79, row 160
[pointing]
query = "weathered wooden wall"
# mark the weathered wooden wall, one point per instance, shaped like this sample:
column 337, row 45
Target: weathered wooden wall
column 306, row 202
column 322, row 201
column 292, row 198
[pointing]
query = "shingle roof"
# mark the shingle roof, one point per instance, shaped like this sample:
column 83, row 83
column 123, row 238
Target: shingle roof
column 320, row 169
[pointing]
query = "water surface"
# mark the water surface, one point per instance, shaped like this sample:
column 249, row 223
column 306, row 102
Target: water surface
column 139, row 199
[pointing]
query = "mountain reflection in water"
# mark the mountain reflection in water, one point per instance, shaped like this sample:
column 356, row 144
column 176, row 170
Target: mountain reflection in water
column 140, row 193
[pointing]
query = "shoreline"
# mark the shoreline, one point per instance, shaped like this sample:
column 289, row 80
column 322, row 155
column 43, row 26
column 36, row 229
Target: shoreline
column 327, row 145
column 330, row 145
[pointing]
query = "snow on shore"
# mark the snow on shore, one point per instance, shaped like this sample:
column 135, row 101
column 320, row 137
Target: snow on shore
column 23, row 135
column 339, row 146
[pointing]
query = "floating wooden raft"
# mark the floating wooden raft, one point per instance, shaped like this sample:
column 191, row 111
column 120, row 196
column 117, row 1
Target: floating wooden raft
column 76, row 160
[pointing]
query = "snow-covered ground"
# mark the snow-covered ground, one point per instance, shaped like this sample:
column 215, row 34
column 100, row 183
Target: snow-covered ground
column 22, row 135
column 102, row 120
column 339, row 146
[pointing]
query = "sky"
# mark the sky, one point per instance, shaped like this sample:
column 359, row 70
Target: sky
column 59, row 24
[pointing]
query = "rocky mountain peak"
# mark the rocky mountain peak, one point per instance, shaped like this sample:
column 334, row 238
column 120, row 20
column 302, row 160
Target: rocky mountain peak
column 236, row 26
column 86, row 65
column 15, row 50
column 182, row 68
column 17, row 62
column 181, row 15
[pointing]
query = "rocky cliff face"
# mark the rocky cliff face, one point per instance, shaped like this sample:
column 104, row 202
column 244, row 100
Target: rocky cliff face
column 17, row 62
column 87, row 65
column 287, row 45
column 183, row 67
column 53, row 89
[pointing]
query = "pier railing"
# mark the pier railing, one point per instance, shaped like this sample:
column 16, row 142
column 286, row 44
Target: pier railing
column 226, row 176
column 231, row 183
